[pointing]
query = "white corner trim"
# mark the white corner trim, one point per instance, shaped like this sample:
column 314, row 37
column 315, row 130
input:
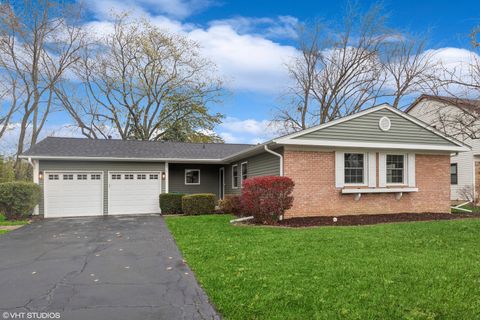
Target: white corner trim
column 167, row 180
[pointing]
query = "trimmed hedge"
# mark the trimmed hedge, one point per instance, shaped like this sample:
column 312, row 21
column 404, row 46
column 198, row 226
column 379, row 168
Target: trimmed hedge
column 18, row 199
column 201, row 203
column 171, row 203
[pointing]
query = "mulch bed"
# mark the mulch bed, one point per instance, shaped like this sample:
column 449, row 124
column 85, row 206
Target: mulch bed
column 356, row 220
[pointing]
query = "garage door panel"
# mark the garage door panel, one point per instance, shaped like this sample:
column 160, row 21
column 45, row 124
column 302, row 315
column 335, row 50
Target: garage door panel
column 134, row 196
column 75, row 197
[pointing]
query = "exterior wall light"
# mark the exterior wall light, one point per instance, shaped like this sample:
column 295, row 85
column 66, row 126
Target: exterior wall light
column 163, row 175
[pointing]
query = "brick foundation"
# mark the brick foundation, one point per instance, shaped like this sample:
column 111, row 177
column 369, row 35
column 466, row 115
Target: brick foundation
column 315, row 193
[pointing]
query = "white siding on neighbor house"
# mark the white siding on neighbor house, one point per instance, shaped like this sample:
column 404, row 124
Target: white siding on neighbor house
column 428, row 112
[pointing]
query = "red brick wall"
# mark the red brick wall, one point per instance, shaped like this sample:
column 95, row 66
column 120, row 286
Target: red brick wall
column 315, row 193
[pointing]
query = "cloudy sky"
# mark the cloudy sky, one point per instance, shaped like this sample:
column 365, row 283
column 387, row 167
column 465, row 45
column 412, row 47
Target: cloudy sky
column 250, row 41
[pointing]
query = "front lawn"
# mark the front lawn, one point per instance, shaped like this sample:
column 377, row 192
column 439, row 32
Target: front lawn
column 420, row 270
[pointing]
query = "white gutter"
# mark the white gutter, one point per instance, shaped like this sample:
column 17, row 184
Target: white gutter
column 73, row 158
column 278, row 155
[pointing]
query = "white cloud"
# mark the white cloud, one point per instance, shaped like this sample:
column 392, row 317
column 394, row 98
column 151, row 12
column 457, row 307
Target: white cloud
column 246, row 61
column 279, row 27
column 234, row 130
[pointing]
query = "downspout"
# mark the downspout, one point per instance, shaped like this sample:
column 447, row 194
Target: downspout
column 281, row 165
column 278, row 155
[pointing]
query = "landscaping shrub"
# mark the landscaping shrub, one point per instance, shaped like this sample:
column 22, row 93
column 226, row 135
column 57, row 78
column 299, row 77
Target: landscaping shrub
column 267, row 198
column 201, row 203
column 18, row 199
column 231, row 204
column 171, row 203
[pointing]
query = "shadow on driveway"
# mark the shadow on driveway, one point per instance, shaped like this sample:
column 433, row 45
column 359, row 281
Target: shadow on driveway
column 99, row 268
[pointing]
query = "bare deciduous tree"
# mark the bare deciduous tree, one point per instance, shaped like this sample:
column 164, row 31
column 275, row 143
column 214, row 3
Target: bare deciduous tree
column 39, row 41
column 461, row 85
column 343, row 70
column 409, row 68
column 146, row 84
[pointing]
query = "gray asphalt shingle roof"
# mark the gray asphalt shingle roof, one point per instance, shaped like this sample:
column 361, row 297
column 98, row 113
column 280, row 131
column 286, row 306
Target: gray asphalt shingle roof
column 79, row 147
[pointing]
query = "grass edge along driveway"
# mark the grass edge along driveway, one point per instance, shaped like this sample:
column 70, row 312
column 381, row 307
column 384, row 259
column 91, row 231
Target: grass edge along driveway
column 420, row 270
column 10, row 224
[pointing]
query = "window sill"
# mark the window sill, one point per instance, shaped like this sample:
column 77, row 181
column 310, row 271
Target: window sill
column 378, row 190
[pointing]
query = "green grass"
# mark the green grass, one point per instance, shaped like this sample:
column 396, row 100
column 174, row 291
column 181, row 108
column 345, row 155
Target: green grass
column 3, row 231
column 4, row 222
column 421, row 270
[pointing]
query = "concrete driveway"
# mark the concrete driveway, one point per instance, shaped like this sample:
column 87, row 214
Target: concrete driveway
column 99, row 268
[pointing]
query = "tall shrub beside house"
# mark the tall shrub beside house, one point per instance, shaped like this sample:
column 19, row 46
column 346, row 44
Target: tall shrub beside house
column 267, row 198
column 18, row 199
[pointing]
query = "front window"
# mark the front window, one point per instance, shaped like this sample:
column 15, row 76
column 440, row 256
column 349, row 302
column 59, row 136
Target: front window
column 454, row 173
column 192, row 176
column 395, row 168
column 244, row 171
column 235, row 176
column 354, row 168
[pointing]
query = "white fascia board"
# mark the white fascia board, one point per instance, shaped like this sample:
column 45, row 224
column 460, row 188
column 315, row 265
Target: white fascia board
column 371, row 145
column 178, row 160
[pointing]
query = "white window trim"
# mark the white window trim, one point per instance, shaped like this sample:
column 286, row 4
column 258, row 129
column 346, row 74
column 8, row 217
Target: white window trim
column 405, row 169
column 241, row 172
column 185, row 177
column 238, row 178
column 408, row 172
column 365, row 170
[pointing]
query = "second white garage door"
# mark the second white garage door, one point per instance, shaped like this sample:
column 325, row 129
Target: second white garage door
column 133, row 192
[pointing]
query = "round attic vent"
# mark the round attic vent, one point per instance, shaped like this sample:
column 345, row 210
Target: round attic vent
column 384, row 123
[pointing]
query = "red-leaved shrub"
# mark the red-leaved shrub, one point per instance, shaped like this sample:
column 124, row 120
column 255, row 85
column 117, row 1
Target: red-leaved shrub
column 267, row 198
column 231, row 204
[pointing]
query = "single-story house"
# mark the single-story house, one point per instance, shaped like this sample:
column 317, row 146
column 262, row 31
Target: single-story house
column 379, row 160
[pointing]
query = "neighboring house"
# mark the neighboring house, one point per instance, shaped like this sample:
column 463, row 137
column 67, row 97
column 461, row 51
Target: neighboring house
column 451, row 116
column 380, row 160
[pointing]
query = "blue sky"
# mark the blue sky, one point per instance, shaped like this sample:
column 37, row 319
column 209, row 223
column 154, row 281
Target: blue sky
column 250, row 41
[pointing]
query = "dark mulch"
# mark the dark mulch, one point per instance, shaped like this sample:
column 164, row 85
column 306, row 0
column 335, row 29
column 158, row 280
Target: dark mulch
column 366, row 219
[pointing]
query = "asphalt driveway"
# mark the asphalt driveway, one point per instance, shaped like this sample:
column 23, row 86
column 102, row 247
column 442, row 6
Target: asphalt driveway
column 99, row 268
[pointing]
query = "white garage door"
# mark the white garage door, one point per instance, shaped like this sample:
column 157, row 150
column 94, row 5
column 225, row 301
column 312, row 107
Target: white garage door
column 72, row 194
column 133, row 192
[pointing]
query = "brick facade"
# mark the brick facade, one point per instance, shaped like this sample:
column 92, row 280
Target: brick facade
column 315, row 193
